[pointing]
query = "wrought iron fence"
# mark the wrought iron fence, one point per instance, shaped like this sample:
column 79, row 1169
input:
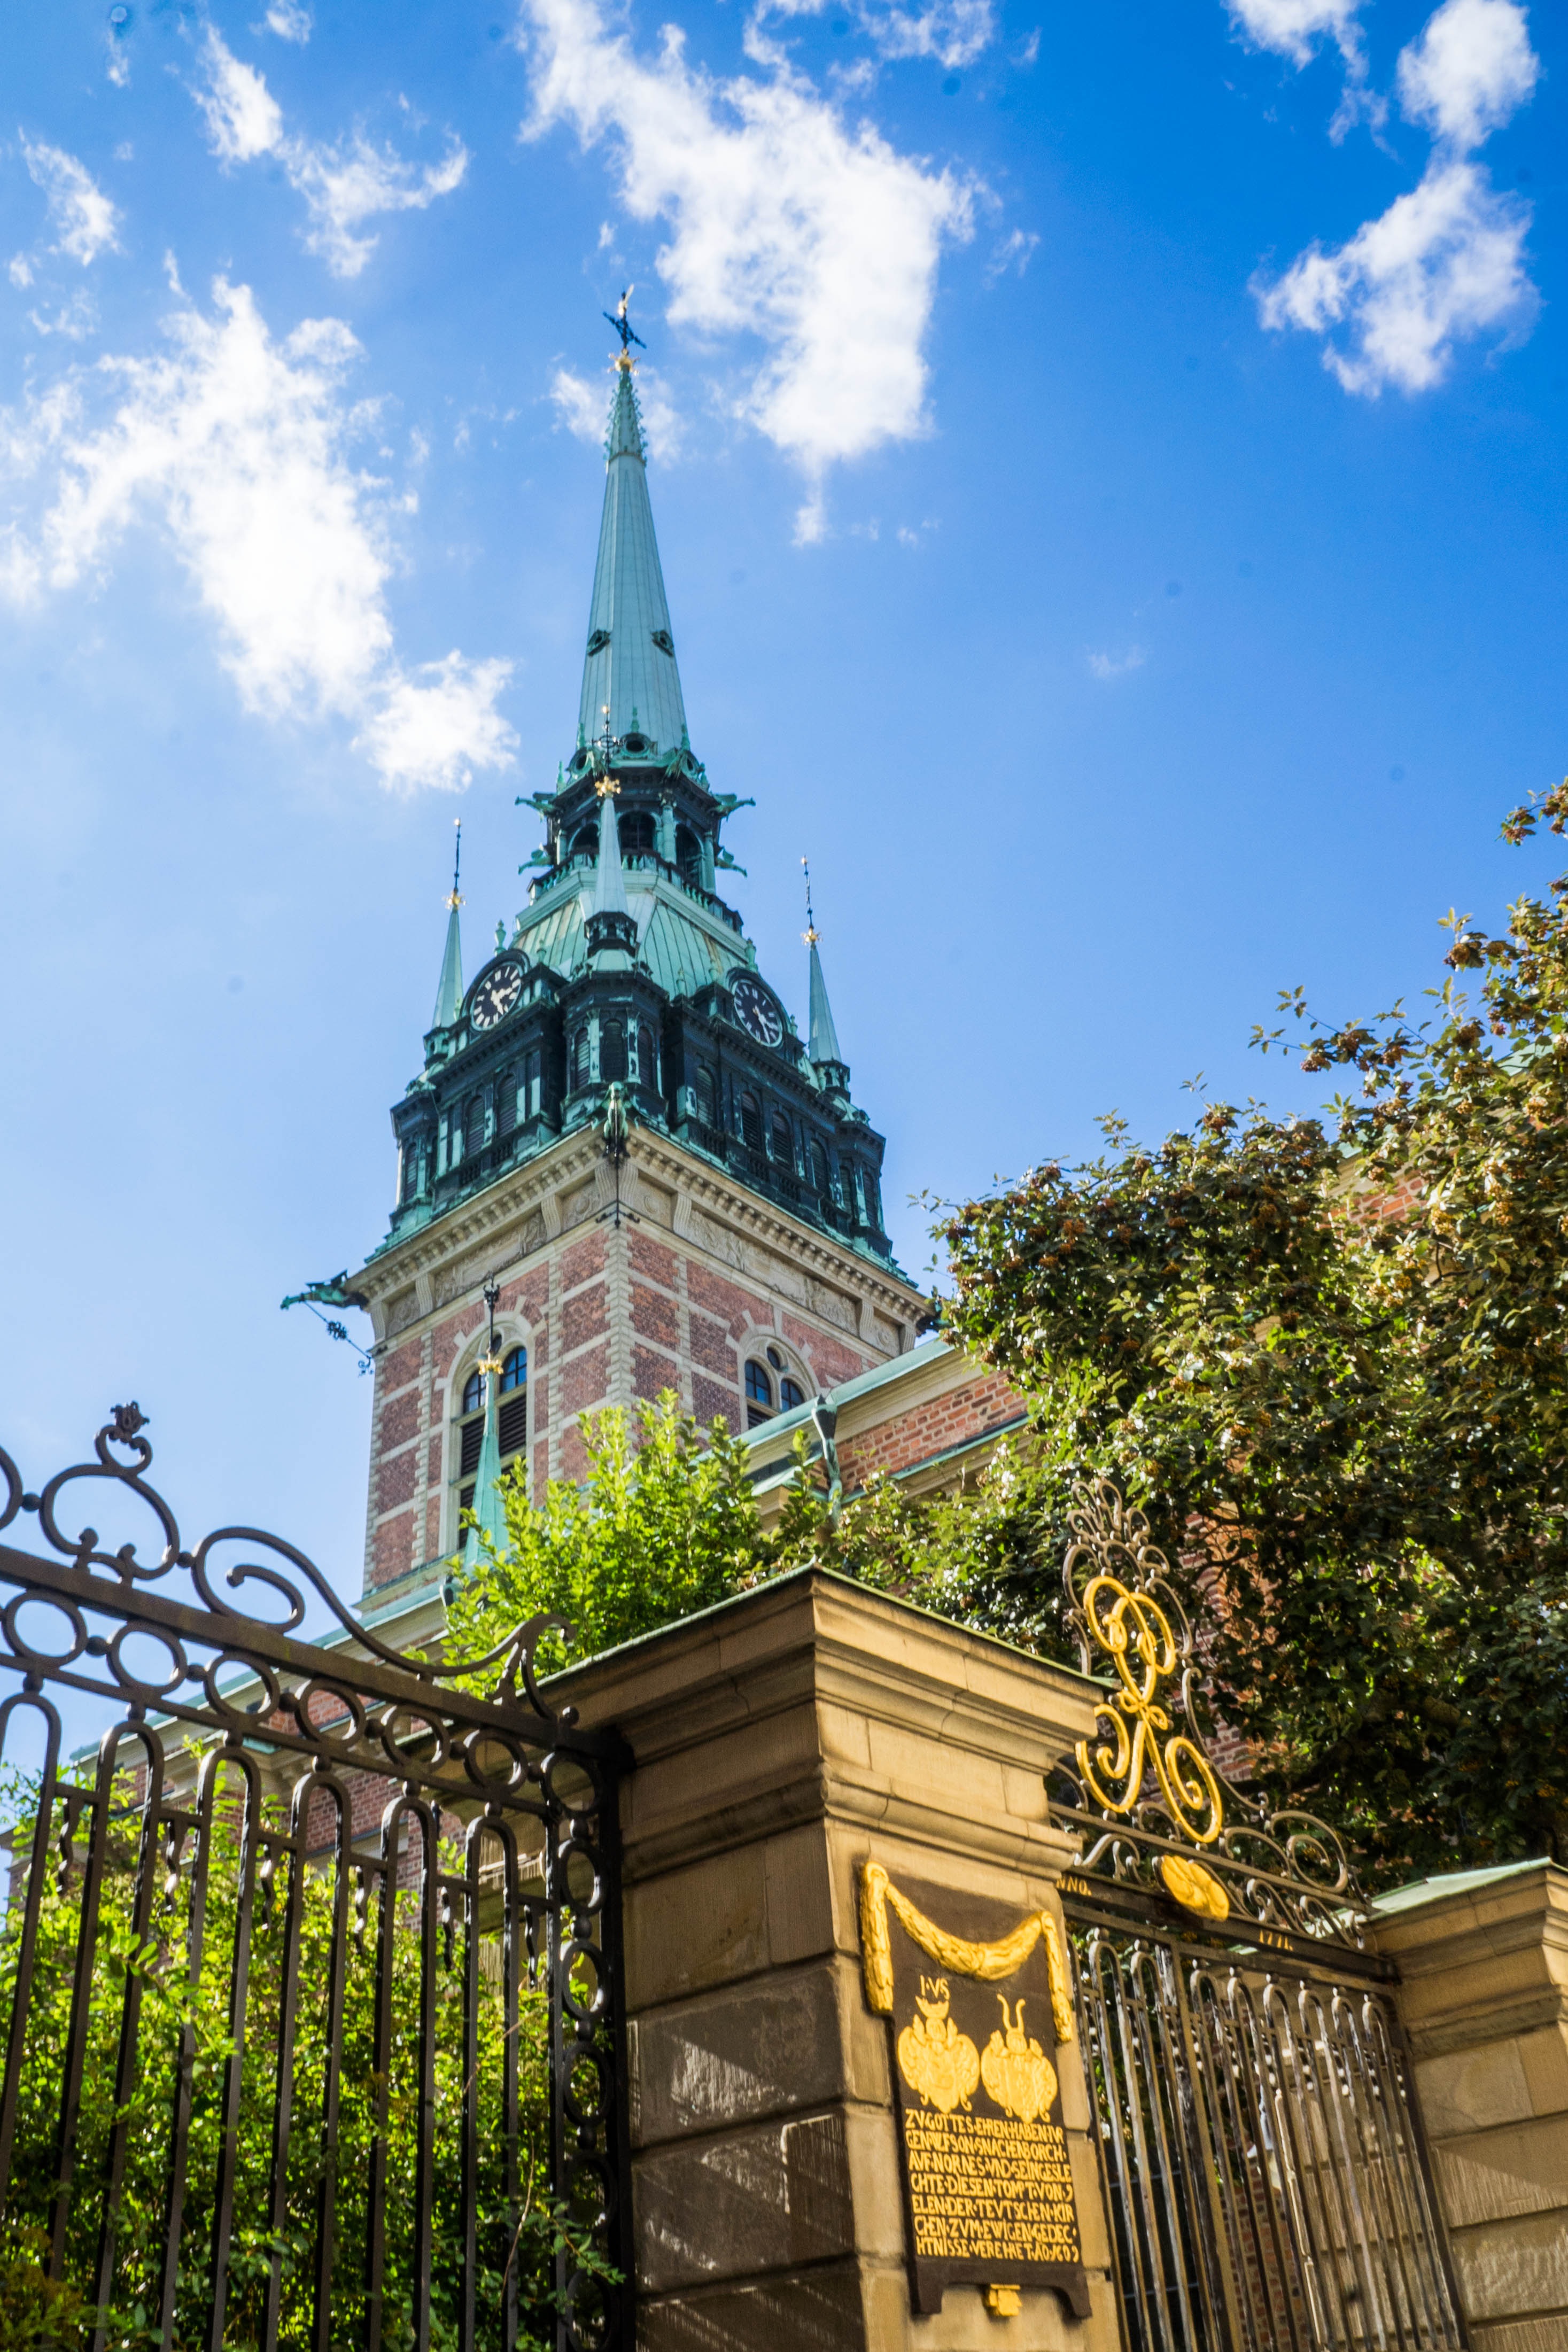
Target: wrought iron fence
column 310, row 1973
column 1262, row 2157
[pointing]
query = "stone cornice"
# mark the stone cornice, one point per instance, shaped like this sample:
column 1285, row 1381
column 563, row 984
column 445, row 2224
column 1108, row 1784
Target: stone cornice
column 574, row 1160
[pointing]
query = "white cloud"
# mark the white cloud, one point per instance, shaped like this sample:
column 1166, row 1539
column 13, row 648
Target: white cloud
column 1107, row 666
column 581, row 406
column 237, row 447
column 1442, row 264
column 952, row 32
column 1294, row 28
column 784, row 223
column 1472, row 68
column 344, row 185
column 244, row 120
column 81, row 215
column 19, row 270
column 1012, row 253
column 290, row 20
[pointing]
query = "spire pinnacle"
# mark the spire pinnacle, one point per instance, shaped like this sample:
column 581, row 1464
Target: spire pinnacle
column 487, row 1506
column 824, row 1038
column 629, row 662
column 611, row 929
column 450, row 992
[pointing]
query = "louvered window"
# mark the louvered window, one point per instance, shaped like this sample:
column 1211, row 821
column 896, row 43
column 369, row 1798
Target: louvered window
column 707, row 1109
column 506, row 1104
column 819, row 1167
column 752, row 1121
column 612, row 1052
column 473, row 1438
column 580, row 1059
column 784, row 1147
column 647, row 1058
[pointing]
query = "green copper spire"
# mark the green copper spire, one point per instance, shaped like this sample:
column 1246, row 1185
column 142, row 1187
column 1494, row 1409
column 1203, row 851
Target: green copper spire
column 630, row 661
column 449, row 994
column 487, row 1506
column 823, row 1036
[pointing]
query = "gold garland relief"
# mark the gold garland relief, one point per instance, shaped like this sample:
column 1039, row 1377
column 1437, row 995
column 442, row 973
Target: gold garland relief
column 987, row 1961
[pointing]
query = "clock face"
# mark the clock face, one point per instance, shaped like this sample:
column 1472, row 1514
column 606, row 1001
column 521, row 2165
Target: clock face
column 495, row 995
column 757, row 1012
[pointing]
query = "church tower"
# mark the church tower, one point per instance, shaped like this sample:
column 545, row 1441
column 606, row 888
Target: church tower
column 615, row 1124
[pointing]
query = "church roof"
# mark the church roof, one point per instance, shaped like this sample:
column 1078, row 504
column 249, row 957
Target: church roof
column 630, row 662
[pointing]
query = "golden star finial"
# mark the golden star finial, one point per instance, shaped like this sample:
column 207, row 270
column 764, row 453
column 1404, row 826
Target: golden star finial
column 606, row 787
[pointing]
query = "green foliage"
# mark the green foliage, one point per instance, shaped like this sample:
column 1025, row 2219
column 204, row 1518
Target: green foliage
column 666, row 1523
column 1328, row 1360
column 663, row 1525
column 186, row 2016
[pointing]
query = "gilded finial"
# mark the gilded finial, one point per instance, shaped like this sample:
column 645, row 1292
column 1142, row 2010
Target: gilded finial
column 455, row 896
column 810, row 936
column 606, row 787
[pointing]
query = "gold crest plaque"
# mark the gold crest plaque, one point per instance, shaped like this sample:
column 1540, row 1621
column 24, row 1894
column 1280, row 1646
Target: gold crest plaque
column 978, row 2006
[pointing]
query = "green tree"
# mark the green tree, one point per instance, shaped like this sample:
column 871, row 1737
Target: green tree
column 1327, row 1359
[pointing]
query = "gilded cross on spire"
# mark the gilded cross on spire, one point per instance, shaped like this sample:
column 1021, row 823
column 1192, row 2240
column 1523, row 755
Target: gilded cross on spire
column 624, row 328
column 810, row 936
column 455, row 898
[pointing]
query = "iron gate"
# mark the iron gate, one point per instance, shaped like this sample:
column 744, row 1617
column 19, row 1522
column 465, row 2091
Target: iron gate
column 1265, row 2173
column 309, row 1974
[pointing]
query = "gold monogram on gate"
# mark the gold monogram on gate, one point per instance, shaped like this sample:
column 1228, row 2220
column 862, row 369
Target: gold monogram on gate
column 1135, row 1633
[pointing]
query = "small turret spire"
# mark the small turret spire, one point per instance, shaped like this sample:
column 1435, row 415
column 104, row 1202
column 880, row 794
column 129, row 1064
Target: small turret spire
column 823, row 1036
column 610, row 928
column 487, row 1506
column 449, row 994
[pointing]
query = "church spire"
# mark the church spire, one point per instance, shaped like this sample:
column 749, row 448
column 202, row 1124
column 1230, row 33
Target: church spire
column 630, row 680
column 823, row 1036
column 449, row 994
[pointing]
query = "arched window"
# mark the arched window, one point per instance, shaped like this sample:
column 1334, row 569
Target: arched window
column 791, row 1394
column 689, row 856
column 706, row 1101
column 506, row 1102
column 585, row 840
column 473, row 1126
column 636, row 834
column 752, row 1121
column 759, row 1393
column 782, row 1141
column 647, row 1059
column 580, row 1059
column 818, row 1167
column 511, row 1420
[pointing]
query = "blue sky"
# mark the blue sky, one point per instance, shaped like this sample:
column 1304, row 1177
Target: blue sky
column 1109, row 475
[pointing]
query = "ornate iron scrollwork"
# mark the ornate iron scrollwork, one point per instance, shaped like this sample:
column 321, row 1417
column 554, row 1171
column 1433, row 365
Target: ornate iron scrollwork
column 1153, row 1808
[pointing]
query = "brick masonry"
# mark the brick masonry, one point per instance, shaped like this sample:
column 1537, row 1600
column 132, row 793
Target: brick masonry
column 609, row 1317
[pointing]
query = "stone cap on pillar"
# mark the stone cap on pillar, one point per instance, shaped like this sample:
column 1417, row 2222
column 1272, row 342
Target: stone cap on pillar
column 1480, row 1953
column 814, row 1694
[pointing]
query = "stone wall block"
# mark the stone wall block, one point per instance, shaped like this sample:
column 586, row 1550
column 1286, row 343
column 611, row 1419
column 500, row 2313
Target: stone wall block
column 820, row 2312
column 1487, row 2176
column 767, row 2199
column 1515, row 2267
column 762, row 2048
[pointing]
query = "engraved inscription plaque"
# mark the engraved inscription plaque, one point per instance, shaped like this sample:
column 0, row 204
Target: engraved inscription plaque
column 977, row 2004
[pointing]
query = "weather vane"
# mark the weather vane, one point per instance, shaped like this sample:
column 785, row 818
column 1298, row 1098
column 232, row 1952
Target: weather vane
column 624, row 328
column 810, row 935
column 456, row 898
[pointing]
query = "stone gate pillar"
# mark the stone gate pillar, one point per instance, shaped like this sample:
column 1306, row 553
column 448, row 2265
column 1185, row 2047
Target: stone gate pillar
column 780, row 1742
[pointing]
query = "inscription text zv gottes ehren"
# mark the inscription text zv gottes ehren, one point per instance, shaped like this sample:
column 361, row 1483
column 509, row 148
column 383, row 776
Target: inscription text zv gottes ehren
column 977, row 2018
